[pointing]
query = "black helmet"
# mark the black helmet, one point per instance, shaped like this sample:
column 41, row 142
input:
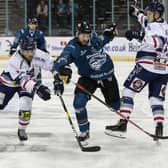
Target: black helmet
column 27, row 43
column 84, row 27
column 156, row 6
column 32, row 20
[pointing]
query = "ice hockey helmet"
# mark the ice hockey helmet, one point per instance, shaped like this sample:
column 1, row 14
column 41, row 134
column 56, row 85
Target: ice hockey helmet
column 27, row 43
column 84, row 27
column 156, row 6
column 32, row 20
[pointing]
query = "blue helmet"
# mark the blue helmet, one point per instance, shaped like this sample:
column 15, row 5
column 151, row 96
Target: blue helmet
column 156, row 6
column 84, row 27
column 27, row 44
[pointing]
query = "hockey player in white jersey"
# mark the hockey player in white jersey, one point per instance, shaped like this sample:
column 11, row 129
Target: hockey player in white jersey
column 151, row 66
column 21, row 76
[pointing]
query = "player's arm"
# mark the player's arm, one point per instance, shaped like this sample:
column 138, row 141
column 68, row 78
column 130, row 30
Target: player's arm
column 61, row 65
column 16, row 42
column 61, row 69
column 65, row 58
column 42, row 42
column 109, row 33
column 155, row 41
column 142, row 19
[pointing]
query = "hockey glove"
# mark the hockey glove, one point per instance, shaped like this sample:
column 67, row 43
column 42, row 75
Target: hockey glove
column 58, row 85
column 12, row 51
column 133, row 11
column 134, row 34
column 65, row 74
column 111, row 30
column 44, row 92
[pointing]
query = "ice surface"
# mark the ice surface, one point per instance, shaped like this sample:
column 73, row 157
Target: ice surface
column 52, row 144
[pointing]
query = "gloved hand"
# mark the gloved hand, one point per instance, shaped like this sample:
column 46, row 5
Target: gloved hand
column 134, row 34
column 12, row 50
column 43, row 92
column 58, row 85
column 133, row 11
column 65, row 74
column 111, row 30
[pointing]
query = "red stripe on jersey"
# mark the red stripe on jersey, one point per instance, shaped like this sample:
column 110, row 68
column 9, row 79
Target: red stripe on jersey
column 159, row 118
column 155, row 42
column 144, row 62
column 1, row 80
column 125, row 111
column 24, row 85
column 147, row 62
column 142, row 18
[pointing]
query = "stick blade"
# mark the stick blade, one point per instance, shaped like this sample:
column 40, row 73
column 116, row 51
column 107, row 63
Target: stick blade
column 158, row 137
column 91, row 149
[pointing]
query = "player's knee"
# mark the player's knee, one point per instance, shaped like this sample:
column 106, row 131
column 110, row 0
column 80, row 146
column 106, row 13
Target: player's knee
column 80, row 100
column 25, row 102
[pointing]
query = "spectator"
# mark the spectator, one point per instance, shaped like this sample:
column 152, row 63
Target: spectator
column 42, row 13
column 61, row 14
column 20, row 3
column 69, row 10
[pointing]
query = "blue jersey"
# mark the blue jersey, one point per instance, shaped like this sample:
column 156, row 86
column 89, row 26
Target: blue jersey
column 37, row 35
column 91, row 60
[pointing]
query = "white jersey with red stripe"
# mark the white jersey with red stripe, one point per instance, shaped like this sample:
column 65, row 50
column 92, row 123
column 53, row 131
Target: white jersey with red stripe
column 153, row 53
column 21, row 73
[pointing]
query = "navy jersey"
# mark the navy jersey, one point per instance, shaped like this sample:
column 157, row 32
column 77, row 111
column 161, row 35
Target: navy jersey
column 37, row 35
column 91, row 59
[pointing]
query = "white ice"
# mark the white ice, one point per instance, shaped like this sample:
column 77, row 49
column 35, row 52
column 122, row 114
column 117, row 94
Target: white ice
column 52, row 144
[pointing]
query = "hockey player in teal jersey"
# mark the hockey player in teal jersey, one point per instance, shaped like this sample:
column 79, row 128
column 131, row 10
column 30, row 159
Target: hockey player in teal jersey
column 95, row 67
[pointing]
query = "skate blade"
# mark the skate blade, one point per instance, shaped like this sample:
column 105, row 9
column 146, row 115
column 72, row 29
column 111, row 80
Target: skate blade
column 85, row 143
column 115, row 134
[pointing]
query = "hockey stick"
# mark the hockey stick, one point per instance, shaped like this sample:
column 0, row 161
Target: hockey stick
column 84, row 149
column 118, row 112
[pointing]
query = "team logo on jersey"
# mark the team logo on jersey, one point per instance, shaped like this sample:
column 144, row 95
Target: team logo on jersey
column 97, row 60
column 83, row 52
column 137, row 84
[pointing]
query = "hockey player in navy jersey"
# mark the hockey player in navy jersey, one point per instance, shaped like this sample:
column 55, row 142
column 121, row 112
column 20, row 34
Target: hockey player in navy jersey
column 21, row 76
column 151, row 67
column 95, row 68
column 30, row 31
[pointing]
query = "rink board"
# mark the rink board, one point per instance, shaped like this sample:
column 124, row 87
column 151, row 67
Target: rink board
column 119, row 48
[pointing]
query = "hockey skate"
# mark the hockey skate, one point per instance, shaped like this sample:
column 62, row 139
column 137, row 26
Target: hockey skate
column 158, row 130
column 117, row 130
column 83, row 138
column 22, row 135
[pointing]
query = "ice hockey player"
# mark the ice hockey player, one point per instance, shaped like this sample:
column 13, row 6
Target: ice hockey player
column 151, row 67
column 95, row 68
column 30, row 31
column 20, row 77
